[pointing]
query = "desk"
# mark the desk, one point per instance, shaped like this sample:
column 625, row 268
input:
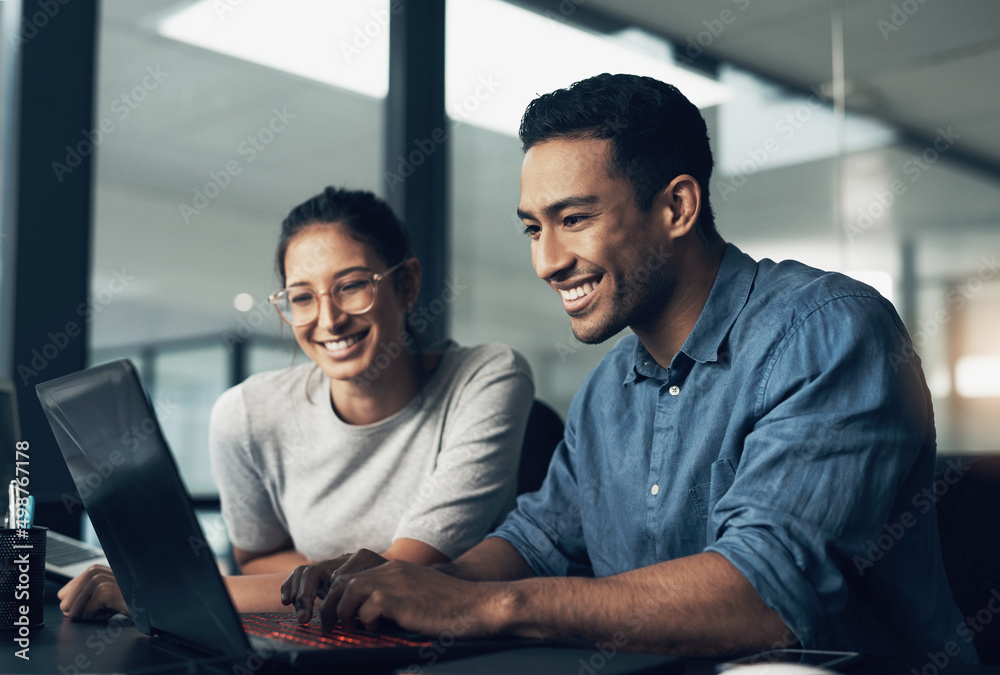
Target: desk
column 64, row 647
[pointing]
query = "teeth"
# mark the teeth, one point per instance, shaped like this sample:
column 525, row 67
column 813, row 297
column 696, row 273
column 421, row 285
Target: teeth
column 341, row 344
column 579, row 291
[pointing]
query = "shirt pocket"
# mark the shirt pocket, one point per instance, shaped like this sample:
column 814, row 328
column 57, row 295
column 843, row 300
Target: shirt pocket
column 707, row 495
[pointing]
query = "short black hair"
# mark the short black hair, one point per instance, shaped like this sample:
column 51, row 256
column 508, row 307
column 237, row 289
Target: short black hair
column 656, row 134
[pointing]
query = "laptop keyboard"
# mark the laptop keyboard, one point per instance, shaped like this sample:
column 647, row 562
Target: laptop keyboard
column 285, row 628
column 62, row 552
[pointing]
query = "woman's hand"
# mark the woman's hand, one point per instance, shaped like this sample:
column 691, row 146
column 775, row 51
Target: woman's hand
column 309, row 583
column 92, row 596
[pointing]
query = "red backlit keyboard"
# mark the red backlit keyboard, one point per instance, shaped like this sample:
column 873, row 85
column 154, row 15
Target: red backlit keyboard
column 286, row 628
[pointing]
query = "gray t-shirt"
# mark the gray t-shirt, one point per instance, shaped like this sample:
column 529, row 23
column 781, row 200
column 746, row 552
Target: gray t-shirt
column 443, row 470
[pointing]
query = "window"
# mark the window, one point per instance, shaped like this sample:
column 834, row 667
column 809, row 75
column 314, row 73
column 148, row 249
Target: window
column 206, row 151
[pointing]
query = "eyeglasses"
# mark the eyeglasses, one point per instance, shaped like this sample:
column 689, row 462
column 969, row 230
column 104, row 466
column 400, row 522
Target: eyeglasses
column 354, row 294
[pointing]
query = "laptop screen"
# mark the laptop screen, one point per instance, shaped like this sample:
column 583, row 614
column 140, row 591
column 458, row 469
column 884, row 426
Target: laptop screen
column 111, row 441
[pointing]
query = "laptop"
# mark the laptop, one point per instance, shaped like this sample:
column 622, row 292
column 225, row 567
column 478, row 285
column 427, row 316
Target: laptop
column 143, row 516
column 65, row 557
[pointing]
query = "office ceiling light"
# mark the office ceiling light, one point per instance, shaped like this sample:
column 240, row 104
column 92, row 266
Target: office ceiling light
column 978, row 377
column 499, row 57
column 521, row 54
column 345, row 44
column 243, row 302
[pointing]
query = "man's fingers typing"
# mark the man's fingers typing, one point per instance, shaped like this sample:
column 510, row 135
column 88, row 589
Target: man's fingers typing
column 289, row 585
column 341, row 604
column 306, row 583
column 372, row 608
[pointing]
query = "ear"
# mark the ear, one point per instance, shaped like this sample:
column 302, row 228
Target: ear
column 411, row 282
column 680, row 204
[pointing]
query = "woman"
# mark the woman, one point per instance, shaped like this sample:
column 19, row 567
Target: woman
column 373, row 444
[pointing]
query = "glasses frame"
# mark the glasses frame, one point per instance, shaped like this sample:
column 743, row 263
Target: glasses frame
column 376, row 277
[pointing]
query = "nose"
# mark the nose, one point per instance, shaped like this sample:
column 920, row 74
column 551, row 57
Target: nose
column 330, row 315
column 549, row 255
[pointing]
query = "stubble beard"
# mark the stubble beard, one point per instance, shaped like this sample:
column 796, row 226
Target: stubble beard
column 634, row 305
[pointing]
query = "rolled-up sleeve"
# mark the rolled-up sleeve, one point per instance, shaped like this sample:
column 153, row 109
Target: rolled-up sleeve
column 840, row 421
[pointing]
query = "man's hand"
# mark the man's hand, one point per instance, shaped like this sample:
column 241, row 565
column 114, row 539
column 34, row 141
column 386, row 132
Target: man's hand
column 307, row 583
column 92, row 596
column 418, row 598
column 698, row 605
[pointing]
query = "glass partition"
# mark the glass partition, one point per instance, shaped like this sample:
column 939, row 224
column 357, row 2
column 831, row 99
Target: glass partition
column 218, row 121
column 501, row 299
column 791, row 181
column 185, row 385
column 219, row 118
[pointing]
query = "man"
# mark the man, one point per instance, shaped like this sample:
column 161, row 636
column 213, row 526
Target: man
column 727, row 470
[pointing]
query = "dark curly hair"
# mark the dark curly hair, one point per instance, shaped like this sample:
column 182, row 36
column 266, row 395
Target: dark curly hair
column 656, row 134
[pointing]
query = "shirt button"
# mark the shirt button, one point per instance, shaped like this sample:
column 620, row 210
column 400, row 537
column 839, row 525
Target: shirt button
column 674, row 390
column 655, row 490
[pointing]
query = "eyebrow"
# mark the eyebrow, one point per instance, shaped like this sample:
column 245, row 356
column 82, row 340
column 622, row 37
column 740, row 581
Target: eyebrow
column 555, row 207
column 338, row 275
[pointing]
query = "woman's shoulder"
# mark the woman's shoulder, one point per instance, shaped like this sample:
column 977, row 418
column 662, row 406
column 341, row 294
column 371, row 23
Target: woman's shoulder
column 481, row 378
column 492, row 356
column 267, row 389
column 471, row 370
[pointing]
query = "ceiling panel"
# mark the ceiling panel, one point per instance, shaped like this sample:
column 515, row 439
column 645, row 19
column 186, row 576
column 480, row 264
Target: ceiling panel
column 939, row 71
column 939, row 62
column 929, row 97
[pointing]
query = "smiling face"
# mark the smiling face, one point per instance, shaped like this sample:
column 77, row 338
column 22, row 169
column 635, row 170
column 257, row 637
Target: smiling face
column 590, row 241
column 344, row 345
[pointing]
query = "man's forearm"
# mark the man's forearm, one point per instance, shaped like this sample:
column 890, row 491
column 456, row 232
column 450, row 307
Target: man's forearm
column 493, row 559
column 698, row 605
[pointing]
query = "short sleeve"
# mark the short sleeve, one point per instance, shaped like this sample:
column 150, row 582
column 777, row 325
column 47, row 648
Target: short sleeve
column 840, row 427
column 247, row 509
column 474, row 480
column 546, row 528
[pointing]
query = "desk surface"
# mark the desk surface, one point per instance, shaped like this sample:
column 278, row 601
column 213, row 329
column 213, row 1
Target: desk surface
column 64, row 647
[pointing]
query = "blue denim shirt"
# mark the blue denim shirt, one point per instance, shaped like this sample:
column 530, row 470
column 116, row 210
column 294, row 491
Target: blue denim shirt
column 792, row 434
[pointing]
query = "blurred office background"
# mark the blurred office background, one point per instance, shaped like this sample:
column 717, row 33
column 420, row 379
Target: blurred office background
column 859, row 136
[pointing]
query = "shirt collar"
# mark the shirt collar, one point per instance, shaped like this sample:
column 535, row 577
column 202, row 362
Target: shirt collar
column 644, row 365
column 729, row 295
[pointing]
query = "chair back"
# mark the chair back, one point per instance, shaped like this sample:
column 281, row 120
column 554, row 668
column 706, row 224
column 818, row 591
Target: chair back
column 542, row 435
column 968, row 515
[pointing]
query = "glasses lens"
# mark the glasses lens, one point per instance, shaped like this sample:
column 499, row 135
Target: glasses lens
column 299, row 306
column 355, row 295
